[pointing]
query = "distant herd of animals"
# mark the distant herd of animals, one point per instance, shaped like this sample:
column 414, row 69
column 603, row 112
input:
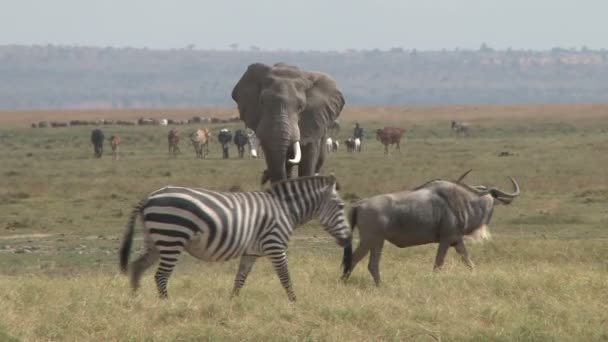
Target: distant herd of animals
column 290, row 112
column 201, row 137
column 138, row 122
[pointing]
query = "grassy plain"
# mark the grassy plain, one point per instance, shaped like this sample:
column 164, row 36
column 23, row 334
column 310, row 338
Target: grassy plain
column 543, row 277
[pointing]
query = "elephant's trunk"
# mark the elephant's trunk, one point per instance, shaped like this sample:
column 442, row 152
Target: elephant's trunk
column 297, row 152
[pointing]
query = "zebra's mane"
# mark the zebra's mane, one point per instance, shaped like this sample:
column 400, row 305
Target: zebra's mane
column 328, row 180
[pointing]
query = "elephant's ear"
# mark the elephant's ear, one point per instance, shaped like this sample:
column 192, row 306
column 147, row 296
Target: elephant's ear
column 324, row 102
column 246, row 93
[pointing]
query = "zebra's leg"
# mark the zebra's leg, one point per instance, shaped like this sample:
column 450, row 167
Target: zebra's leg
column 279, row 261
column 139, row 266
column 168, row 259
column 245, row 267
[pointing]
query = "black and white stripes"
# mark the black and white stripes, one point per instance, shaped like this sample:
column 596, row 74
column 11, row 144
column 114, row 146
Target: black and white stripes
column 218, row 226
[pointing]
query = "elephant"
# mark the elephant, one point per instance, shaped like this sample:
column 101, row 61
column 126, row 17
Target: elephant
column 290, row 111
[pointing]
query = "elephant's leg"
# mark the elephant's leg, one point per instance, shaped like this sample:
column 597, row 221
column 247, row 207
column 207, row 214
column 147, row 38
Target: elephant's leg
column 321, row 158
column 308, row 163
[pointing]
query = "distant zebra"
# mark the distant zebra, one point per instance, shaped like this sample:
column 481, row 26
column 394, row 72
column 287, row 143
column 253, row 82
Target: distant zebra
column 461, row 127
column 218, row 226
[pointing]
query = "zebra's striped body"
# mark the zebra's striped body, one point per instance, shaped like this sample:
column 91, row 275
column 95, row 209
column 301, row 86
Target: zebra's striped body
column 218, row 226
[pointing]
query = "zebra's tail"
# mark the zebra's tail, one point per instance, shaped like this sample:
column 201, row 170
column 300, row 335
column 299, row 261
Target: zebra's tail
column 347, row 257
column 127, row 241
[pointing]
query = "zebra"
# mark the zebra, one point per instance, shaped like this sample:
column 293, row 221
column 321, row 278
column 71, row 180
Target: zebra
column 218, row 226
column 460, row 127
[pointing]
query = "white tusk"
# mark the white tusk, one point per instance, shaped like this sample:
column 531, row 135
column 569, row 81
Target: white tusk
column 297, row 152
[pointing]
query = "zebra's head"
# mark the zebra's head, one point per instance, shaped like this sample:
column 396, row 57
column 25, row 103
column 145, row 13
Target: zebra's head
column 332, row 215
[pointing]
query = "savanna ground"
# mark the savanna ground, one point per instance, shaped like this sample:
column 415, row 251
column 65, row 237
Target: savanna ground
column 544, row 276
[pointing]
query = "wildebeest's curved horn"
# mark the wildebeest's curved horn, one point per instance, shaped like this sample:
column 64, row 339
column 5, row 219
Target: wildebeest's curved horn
column 512, row 195
column 463, row 175
column 478, row 190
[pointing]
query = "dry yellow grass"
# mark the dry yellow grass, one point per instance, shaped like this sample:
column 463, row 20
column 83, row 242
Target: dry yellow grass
column 542, row 278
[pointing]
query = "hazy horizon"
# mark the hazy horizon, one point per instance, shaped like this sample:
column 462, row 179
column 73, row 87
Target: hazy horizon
column 311, row 25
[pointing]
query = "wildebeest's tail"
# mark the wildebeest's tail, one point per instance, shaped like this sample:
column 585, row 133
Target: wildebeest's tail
column 127, row 241
column 347, row 257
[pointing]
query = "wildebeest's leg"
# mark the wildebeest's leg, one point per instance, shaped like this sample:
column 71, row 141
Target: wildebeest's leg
column 441, row 252
column 359, row 254
column 168, row 259
column 245, row 267
column 279, row 261
column 139, row 266
column 374, row 260
column 398, row 146
column 462, row 250
column 386, row 149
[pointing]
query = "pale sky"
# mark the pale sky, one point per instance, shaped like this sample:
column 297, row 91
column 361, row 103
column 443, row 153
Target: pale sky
column 306, row 25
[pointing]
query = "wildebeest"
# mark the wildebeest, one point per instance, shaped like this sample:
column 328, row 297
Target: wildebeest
column 438, row 211
column 173, row 142
column 461, row 127
column 200, row 142
column 350, row 144
column 329, row 144
column 224, row 138
column 97, row 138
column 115, row 142
column 240, row 140
column 335, row 145
column 390, row 136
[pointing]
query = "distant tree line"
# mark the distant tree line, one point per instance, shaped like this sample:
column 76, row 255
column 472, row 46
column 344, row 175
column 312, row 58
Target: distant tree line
column 72, row 76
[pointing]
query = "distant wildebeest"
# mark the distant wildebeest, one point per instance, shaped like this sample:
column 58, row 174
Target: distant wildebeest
column 255, row 149
column 224, row 138
column 60, row 124
column 438, row 211
column 335, row 145
column 115, row 142
column 390, row 136
column 173, row 142
column 146, row 121
column 97, row 138
column 329, row 143
column 461, row 127
column 200, row 142
column 350, row 145
column 240, row 140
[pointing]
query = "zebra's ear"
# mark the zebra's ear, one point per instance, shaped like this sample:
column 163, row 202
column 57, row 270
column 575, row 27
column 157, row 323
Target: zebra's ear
column 334, row 181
